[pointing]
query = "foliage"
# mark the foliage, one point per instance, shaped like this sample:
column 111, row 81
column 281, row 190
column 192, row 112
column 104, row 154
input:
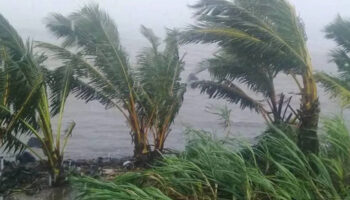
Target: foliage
column 224, row 115
column 338, row 85
column 227, row 70
column 158, row 74
column 99, row 190
column 257, row 39
column 16, row 83
column 148, row 95
column 210, row 168
column 25, row 102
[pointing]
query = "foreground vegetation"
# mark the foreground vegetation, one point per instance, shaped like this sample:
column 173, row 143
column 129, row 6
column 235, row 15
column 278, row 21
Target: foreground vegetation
column 209, row 168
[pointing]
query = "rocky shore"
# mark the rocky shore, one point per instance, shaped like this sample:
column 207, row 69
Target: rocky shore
column 27, row 176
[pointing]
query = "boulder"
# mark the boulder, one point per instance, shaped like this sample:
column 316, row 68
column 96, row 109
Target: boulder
column 34, row 143
column 25, row 158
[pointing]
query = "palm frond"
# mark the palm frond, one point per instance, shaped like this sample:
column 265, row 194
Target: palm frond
column 339, row 31
column 257, row 78
column 341, row 58
column 338, row 85
column 151, row 37
column 95, row 33
column 86, row 81
column 10, row 39
column 252, row 29
column 335, row 86
column 230, row 92
column 21, row 70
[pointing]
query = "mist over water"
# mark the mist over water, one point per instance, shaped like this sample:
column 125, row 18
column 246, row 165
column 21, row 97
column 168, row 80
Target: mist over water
column 99, row 131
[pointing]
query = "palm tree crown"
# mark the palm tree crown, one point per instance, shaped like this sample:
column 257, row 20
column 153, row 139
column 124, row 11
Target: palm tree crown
column 148, row 95
column 265, row 35
column 25, row 105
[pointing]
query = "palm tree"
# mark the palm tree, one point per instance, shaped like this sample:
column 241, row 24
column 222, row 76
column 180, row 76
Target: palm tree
column 227, row 70
column 265, row 33
column 148, row 95
column 15, row 85
column 158, row 74
column 25, row 106
column 338, row 85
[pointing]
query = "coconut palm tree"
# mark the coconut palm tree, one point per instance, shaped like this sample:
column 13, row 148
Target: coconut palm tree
column 158, row 74
column 265, row 33
column 227, row 70
column 338, row 85
column 25, row 106
column 15, row 85
column 148, row 95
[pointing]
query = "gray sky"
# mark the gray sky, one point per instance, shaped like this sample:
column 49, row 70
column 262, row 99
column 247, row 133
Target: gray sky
column 27, row 16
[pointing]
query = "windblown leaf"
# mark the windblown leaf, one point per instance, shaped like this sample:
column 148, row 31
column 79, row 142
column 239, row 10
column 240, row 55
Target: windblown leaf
column 338, row 85
column 335, row 86
column 230, row 92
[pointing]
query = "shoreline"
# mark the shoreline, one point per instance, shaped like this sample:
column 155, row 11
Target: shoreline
column 31, row 179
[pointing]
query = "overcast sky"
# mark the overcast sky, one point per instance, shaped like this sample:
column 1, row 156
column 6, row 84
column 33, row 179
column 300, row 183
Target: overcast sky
column 27, row 17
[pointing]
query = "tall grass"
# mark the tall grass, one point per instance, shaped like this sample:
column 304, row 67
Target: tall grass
column 209, row 168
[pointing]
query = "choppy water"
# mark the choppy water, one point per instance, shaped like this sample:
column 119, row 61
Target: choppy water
column 101, row 132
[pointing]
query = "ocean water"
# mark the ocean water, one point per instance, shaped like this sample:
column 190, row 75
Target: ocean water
column 101, row 132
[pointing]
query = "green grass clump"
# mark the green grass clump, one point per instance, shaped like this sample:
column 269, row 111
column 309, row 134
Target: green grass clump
column 209, row 168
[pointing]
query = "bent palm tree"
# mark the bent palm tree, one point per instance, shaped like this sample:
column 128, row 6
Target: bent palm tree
column 226, row 70
column 338, row 85
column 158, row 74
column 266, row 33
column 148, row 96
column 25, row 106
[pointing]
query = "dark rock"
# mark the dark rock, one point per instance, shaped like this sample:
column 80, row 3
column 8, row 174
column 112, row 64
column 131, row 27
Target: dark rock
column 31, row 165
column 25, row 158
column 80, row 162
column 192, row 77
column 103, row 161
column 34, row 142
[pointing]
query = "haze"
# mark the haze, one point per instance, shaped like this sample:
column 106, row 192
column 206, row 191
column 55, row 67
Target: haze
column 28, row 18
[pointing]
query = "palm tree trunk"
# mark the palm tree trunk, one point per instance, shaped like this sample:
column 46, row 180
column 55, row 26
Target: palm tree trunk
column 56, row 171
column 141, row 148
column 159, row 146
column 307, row 138
column 309, row 114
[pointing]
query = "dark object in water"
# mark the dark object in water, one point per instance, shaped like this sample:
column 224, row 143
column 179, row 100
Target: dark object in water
column 25, row 158
column 34, row 142
column 192, row 77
